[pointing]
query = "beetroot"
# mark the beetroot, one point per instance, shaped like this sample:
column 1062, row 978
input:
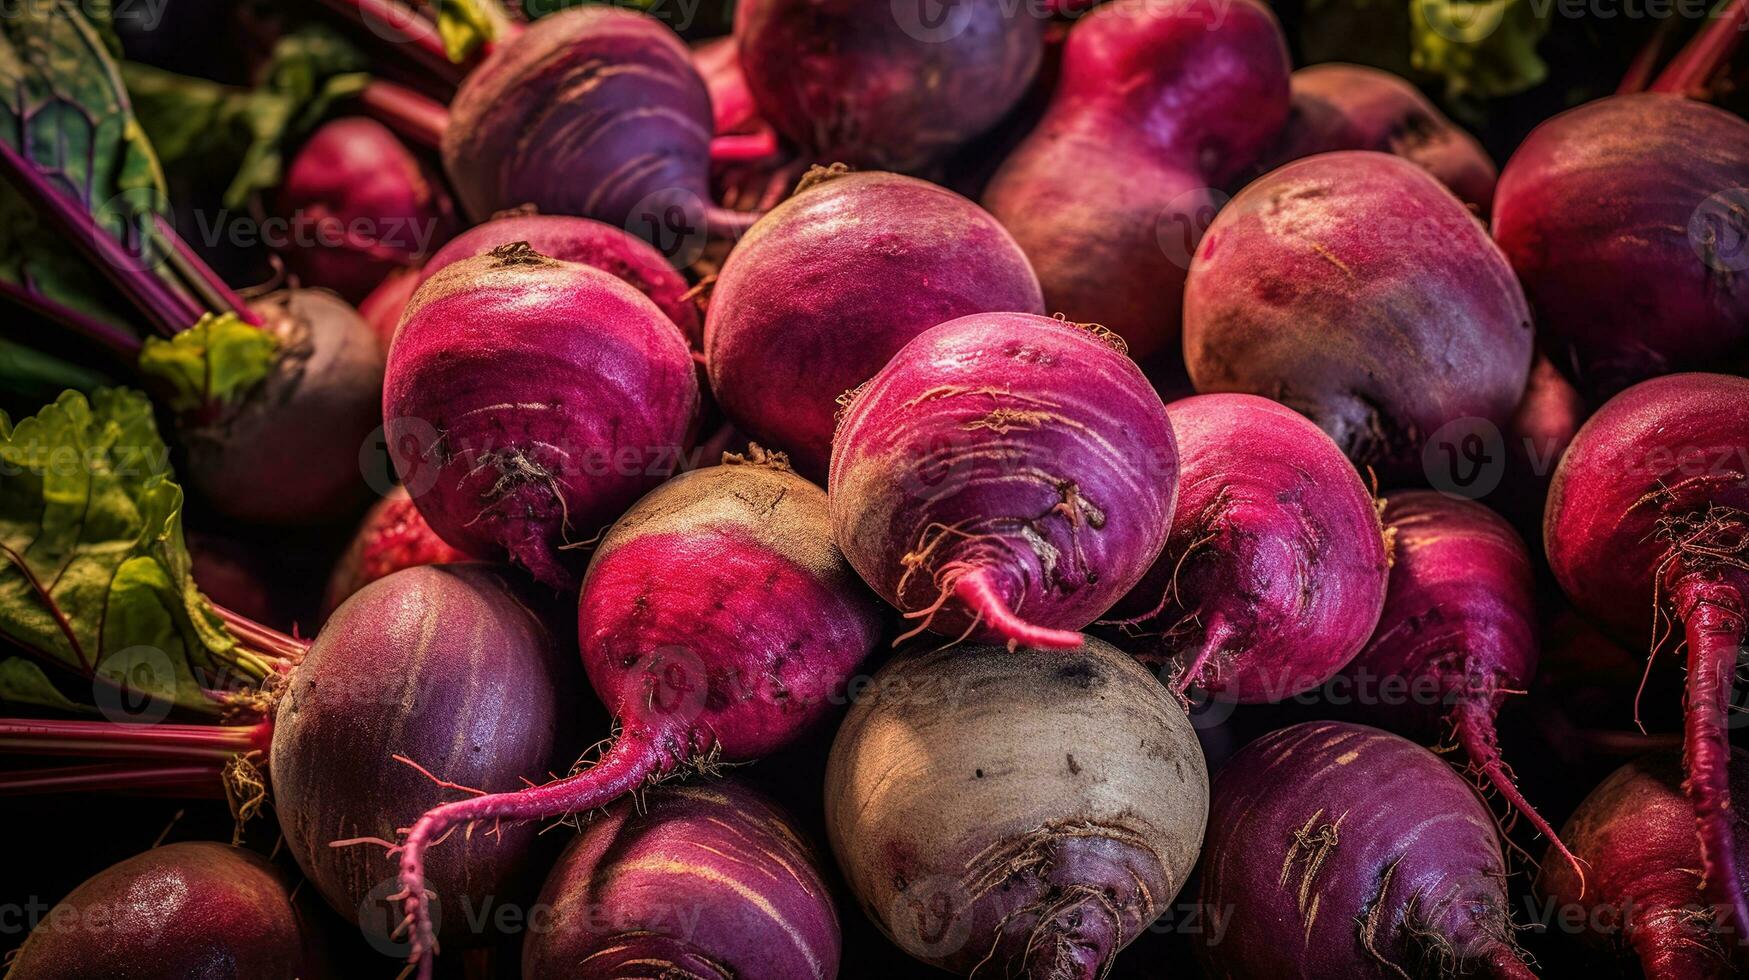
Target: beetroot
column 1355, row 289
column 1458, row 628
column 287, row 453
column 885, row 86
column 192, row 909
column 1648, row 527
column 1006, row 477
column 694, row 881
column 444, row 667
column 391, row 537
column 1365, row 846
column 1543, row 426
column 804, row 311
column 361, row 205
column 585, row 242
column 382, row 309
column 1353, row 107
column 592, row 111
column 717, row 622
column 529, row 402
column 1275, row 570
column 1635, row 833
column 1625, row 219
column 1016, row 813
column 1160, row 103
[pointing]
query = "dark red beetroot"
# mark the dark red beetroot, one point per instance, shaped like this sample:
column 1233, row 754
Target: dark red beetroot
column 1353, row 107
column 592, row 111
column 1355, row 289
column 391, row 537
column 1016, row 813
column 1006, row 477
column 1648, row 527
column 361, row 205
column 1547, row 419
column 717, row 622
column 1160, row 104
column 1275, row 570
column 529, row 402
column 287, row 453
column 694, row 881
column 1625, row 219
column 586, row 242
column 805, row 308
column 447, row 668
column 1635, row 834
column 1458, row 633
column 193, row 909
column 888, row 86
column 1344, row 851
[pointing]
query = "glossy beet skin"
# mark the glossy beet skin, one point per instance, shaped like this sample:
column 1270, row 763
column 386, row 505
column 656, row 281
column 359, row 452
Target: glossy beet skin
column 1355, row 289
column 698, row 881
column 809, row 304
column 192, row 909
column 287, row 452
column 1641, row 890
column 529, row 402
column 586, row 112
column 1459, row 628
column 1006, row 477
column 885, row 85
column 1625, row 219
column 717, row 622
column 1345, row 851
column 361, row 206
column 1275, row 570
column 1016, row 813
column 1647, row 530
column 1160, row 104
column 391, row 537
column 451, row 668
column 586, row 242
column 1353, row 107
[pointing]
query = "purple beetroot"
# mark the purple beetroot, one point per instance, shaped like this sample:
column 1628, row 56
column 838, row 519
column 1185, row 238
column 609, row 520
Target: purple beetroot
column 1647, row 531
column 697, row 881
column 1159, row 105
column 804, row 309
column 1355, row 289
column 717, row 622
column 1006, row 477
column 1275, row 569
column 529, row 402
column 1344, row 851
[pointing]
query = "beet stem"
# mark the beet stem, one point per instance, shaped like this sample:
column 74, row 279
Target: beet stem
column 1713, row 617
column 633, row 759
column 723, row 222
column 1214, row 636
column 974, row 589
column 1690, row 72
column 744, row 147
column 187, row 782
column 413, row 117
column 213, row 292
column 1473, row 721
column 1645, row 63
column 115, row 740
column 404, row 28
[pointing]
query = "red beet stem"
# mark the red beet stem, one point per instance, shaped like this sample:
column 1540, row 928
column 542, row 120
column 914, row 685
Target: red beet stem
column 974, row 589
column 722, row 222
column 114, row 740
column 413, row 117
column 744, row 147
column 634, row 758
column 1712, row 613
column 405, row 28
column 182, row 782
column 1645, row 64
column 1691, row 71
column 1472, row 720
column 1503, row 963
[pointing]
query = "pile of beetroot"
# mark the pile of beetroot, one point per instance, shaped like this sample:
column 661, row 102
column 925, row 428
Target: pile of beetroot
column 1039, row 490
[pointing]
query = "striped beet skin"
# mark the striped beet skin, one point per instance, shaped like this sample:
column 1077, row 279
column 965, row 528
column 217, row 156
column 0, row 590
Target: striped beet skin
column 701, row 881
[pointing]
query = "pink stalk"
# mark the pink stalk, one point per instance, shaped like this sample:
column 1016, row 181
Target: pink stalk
column 414, row 117
column 214, row 292
column 744, row 147
column 113, row 338
column 1712, row 614
column 114, row 740
column 1691, row 72
column 401, row 24
column 187, row 782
